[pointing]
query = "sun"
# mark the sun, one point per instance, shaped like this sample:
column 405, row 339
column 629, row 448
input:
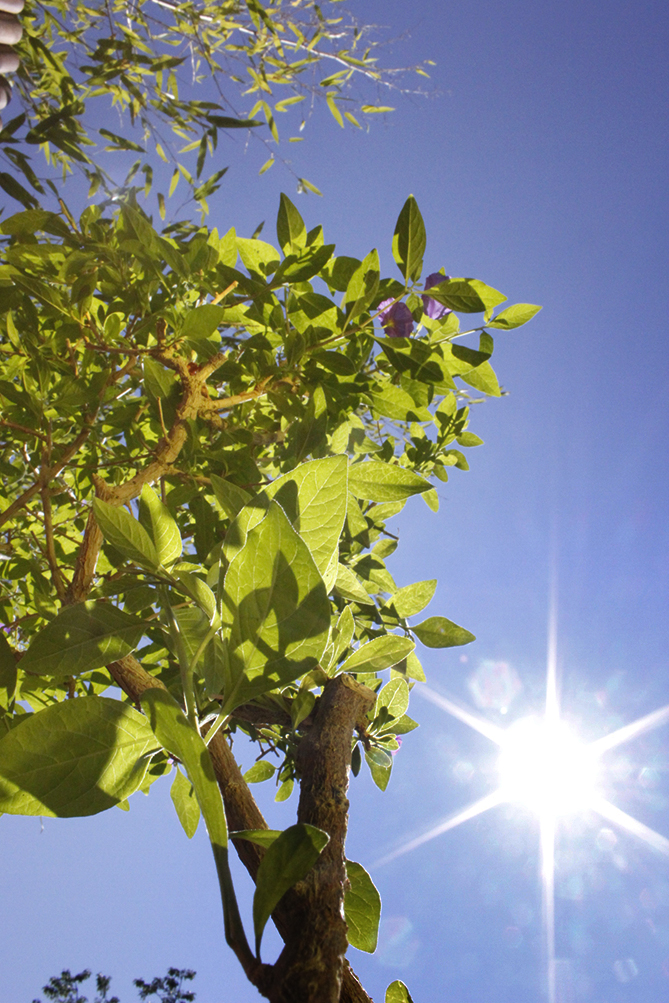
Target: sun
column 544, row 766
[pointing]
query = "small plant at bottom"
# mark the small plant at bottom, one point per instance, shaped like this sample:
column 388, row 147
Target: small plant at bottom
column 64, row 988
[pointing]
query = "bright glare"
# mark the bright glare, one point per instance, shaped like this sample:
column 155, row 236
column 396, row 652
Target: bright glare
column 544, row 767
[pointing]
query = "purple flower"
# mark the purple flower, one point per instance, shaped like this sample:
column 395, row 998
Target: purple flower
column 396, row 319
column 434, row 310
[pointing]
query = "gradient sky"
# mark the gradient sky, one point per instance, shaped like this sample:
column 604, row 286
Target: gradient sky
column 541, row 168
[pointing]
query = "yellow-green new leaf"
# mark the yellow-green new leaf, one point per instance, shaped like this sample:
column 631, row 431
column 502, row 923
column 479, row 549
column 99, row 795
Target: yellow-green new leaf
column 514, row 316
column 74, row 758
column 379, row 654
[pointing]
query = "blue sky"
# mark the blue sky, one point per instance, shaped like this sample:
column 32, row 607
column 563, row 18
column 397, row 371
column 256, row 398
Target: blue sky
column 541, row 168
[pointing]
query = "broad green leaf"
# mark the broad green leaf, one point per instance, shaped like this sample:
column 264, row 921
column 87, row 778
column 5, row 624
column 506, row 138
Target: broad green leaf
column 261, row 837
column 394, row 697
column 78, row 757
column 201, row 593
column 375, row 480
column 380, row 766
column 185, row 802
column 7, row 673
column 483, row 378
column 411, row 599
column 410, row 667
column 288, row 859
column 201, row 321
column 126, row 534
column 438, row 632
column 379, row 654
column 409, row 241
column 514, row 316
column 393, row 402
column 348, row 586
column 259, row 257
column 161, row 527
column 230, row 497
column 362, row 286
column 402, row 726
column 313, row 496
column 86, row 636
column 397, row 992
column 290, row 228
column 280, row 613
column 466, row 295
column 262, row 770
column 362, row 908
column 285, row 790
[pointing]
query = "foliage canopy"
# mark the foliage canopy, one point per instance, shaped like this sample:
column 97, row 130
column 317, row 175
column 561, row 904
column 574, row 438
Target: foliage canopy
column 202, row 439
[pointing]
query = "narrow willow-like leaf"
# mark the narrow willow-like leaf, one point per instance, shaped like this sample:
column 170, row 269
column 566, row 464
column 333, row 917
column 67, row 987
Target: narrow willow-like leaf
column 82, row 637
column 288, row 859
column 78, row 757
column 362, row 908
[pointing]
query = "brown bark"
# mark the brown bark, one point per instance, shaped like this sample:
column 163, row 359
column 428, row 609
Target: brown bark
column 311, row 966
column 242, row 812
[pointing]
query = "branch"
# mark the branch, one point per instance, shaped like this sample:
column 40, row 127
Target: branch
column 312, row 963
column 241, row 811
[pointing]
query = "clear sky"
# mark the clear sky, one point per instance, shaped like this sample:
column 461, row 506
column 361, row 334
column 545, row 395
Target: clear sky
column 541, row 168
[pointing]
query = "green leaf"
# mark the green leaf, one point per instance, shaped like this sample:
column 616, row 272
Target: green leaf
column 7, row 673
column 279, row 609
column 394, row 697
column 380, row 766
column 126, row 534
column 402, row 726
column 466, row 295
column 288, row 860
column 261, row 837
column 78, row 757
column 201, row 321
column 362, row 908
column 314, row 498
column 185, row 802
column 177, row 736
column 377, row 481
column 290, row 228
column 379, row 654
column 230, row 497
column 514, row 316
column 438, row 632
column 397, row 992
column 285, row 790
column 483, row 378
column 411, row 599
column 161, row 527
column 262, row 770
column 226, row 122
column 409, row 241
column 86, row 636
column 349, row 587
column 362, row 286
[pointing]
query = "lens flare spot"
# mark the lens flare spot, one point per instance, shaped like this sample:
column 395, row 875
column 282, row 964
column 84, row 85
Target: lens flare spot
column 543, row 766
column 495, row 685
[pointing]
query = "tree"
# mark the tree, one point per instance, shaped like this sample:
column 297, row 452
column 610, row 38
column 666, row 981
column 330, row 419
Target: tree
column 203, row 437
column 64, row 988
